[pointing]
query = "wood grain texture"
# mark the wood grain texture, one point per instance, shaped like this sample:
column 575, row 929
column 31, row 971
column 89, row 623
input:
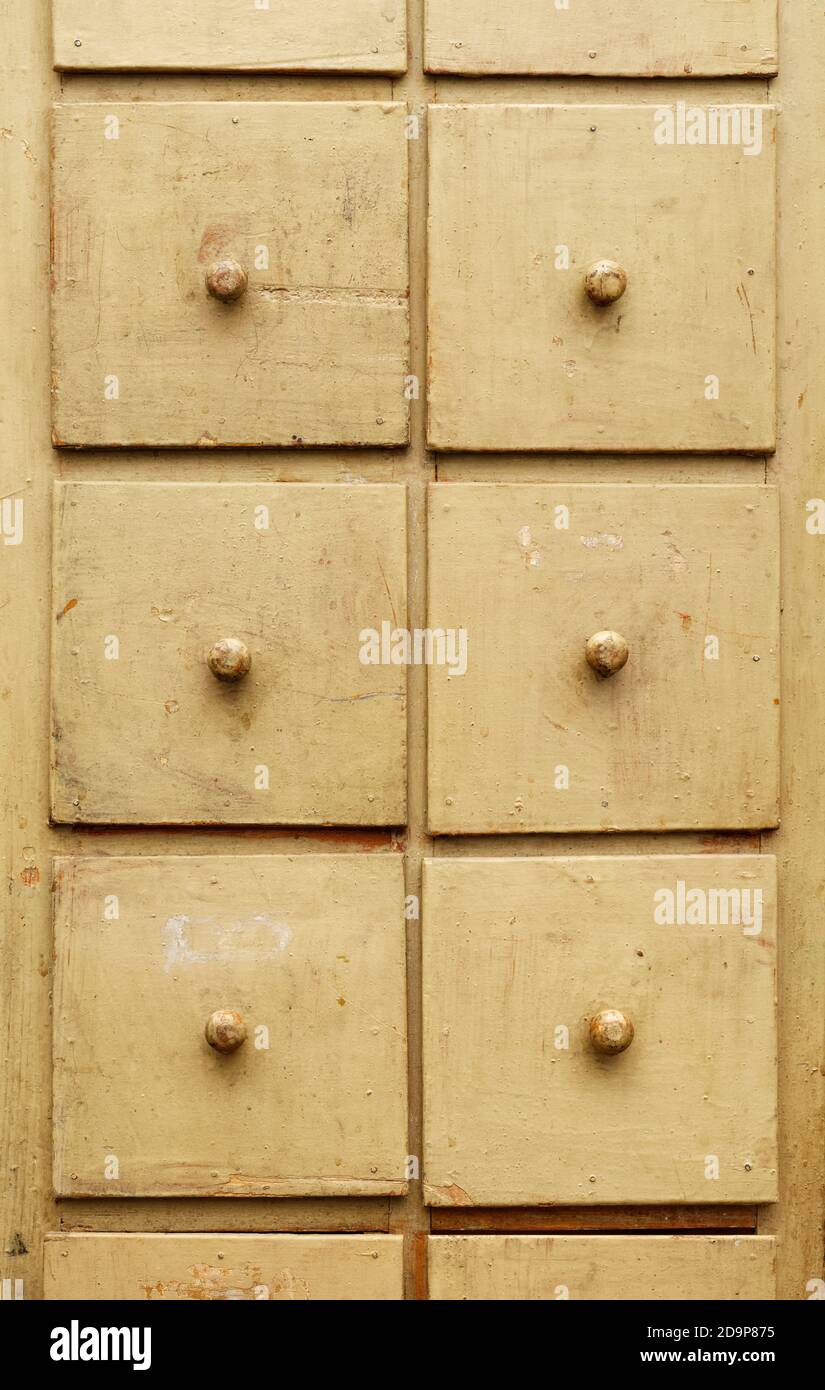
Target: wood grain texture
column 25, row 467
column 316, row 351
column 167, row 570
column 310, row 949
column 520, row 358
column 167, row 1268
column 231, row 35
column 242, row 1215
column 517, row 1114
column 636, row 38
column 799, row 1219
column 623, row 1268
column 675, row 740
column 570, row 1220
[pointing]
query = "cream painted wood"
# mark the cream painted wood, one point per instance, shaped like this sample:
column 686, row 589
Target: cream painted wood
column 310, row 198
column 624, row 1268
column 28, row 466
column 308, row 949
column 279, row 35
column 147, row 577
column 530, row 738
column 171, row 1268
column 520, row 954
column 637, row 38
column 523, row 200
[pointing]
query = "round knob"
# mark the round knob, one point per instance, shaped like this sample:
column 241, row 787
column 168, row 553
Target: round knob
column 227, row 280
column 605, row 282
column 611, row 1032
column 229, row 659
column 606, row 652
column 225, row 1030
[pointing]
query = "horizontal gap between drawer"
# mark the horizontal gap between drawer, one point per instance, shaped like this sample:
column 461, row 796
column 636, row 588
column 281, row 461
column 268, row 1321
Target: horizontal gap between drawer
column 594, row 1220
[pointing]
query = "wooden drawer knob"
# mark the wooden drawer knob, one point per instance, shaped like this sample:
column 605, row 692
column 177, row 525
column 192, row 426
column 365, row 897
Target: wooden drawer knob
column 611, row 1032
column 227, row 280
column 225, row 1030
column 606, row 652
column 605, row 282
column 229, row 659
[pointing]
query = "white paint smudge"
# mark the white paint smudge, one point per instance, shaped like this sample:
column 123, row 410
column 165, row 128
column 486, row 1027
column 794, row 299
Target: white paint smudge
column 602, row 538
column 203, row 940
column 531, row 550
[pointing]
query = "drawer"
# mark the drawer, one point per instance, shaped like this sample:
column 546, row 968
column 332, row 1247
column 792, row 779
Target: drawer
column 637, row 38
column 271, row 584
column 238, row 35
column 599, row 1030
column 532, row 346
column 173, row 1267
column 612, row 1268
column 531, row 737
column 253, row 1012
column 230, row 273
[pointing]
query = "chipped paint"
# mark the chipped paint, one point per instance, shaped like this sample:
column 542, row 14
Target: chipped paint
column 531, row 550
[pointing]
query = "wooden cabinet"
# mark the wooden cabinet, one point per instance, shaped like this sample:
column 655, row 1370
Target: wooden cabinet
column 229, row 1025
column 637, row 38
column 602, row 1268
column 299, row 36
column 225, row 273
column 599, row 1030
column 622, row 649
column 411, row 627
column 172, row 1268
column 531, row 347
column 206, row 656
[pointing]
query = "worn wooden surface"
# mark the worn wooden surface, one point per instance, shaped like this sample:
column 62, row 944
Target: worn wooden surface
column 567, row 1220
column 310, row 198
column 347, row 1215
column 296, row 35
column 602, row 1267
column 28, row 465
column 685, row 736
column 523, row 200
column 309, row 951
column 310, row 735
column 642, row 38
column 519, row 1109
column 205, row 1267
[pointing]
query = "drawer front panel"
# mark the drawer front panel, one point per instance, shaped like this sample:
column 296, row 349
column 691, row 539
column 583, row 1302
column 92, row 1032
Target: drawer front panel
column 531, row 737
column 525, row 201
column 307, row 952
column 637, row 38
column 526, row 1103
column 531, row 1268
column 170, row 1268
column 150, row 578
column 306, row 204
column 278, row 35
